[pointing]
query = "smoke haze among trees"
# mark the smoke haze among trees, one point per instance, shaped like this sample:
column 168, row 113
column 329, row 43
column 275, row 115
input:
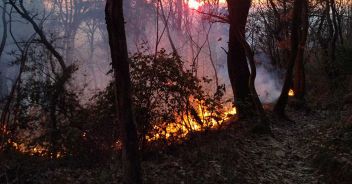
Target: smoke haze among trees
column 175, row 91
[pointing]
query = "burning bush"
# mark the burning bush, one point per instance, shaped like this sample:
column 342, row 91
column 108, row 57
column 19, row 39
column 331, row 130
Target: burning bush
column 171, row 98
column 169, row 101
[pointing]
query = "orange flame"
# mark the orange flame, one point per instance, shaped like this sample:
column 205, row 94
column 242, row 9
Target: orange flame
column 185, row 124
column 37, row 150
column 291, row 92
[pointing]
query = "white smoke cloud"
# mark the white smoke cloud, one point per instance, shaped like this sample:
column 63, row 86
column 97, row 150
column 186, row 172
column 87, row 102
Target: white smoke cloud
column 267, row 82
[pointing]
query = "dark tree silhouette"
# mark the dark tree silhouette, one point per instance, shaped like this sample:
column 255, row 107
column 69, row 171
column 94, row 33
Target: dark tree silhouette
column 118, row 46
column 236, row 60
column 4, row 32
column 280, row 106
column 299, row 76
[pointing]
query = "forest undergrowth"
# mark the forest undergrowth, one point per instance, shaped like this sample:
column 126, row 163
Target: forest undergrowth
column 313, row 148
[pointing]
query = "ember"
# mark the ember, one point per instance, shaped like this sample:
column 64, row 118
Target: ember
column 291, row 92
column 35, row 150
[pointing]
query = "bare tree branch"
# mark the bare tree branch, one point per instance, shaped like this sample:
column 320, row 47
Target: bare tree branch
column 20, row 9
column 4, row 33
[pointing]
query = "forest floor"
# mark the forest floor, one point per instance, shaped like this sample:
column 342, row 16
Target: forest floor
column 315, row 148
column 288, row 156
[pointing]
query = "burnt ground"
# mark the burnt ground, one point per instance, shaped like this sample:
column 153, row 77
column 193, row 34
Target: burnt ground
column 315, row 148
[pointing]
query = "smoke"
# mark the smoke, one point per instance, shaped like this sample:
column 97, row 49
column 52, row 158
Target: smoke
column 267, row 82
column 8, row 70
column 91, row 54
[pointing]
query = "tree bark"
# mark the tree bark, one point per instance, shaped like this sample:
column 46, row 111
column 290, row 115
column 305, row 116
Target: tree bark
column 118, row 46
column 332, row 22
column 280, row 106
column 299, row 78
column 263, row 126
column 236, row 59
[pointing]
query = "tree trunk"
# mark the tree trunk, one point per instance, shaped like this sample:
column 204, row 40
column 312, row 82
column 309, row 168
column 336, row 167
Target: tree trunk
column 117, row 40
column 280, row 106
column 332, row 44
column 236, row 60
column 299, row 78
column 179, row 11
column 70, row 43
column 263, row 125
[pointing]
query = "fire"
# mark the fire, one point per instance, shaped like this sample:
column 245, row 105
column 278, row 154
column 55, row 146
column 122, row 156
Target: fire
column 194, row 4
column 291, row 92
column 36, row 150
column 185, row 124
